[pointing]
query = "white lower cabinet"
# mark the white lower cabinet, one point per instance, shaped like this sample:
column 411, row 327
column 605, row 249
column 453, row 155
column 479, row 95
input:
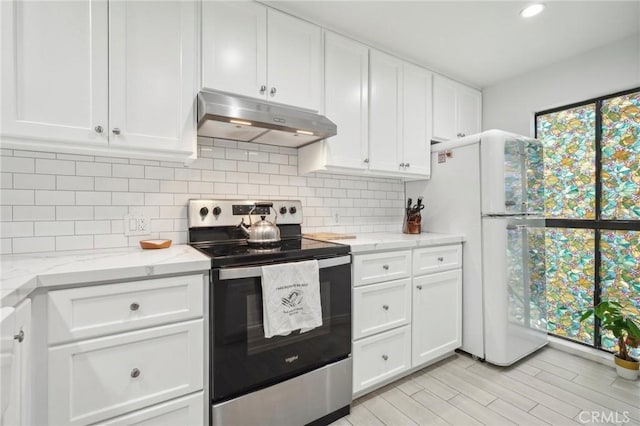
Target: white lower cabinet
column 187, row 411
column 407, row 311
column 381, row 357
column 142, row 349
column 437, row 315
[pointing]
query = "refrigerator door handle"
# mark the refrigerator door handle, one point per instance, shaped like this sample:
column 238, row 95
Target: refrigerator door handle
column 515, row 227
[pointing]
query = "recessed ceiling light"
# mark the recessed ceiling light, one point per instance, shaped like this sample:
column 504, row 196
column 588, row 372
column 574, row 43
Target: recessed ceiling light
column 532, row 10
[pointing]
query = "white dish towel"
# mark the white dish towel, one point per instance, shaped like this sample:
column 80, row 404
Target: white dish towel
column 291, row 298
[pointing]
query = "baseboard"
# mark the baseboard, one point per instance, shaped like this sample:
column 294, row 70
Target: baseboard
column 582, row 351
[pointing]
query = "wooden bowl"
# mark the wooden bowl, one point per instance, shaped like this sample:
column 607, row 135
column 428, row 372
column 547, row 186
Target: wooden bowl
column 155, row 244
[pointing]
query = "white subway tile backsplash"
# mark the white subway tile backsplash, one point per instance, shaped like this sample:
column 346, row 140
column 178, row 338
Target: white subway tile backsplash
column 90, row 227
column 127, row 171
column 16, row 229
column 33, row 244
column 200, row 187
column 17, row 165
column 33, row 181
column 80, row 203
column 53, row 228
column 84, row 168
column 77, row 183
column 55, row 198
column 111, row 184
column 78, row 242
column 55, row 167
column 74, row 213
column 17, row 197
column 144, row 185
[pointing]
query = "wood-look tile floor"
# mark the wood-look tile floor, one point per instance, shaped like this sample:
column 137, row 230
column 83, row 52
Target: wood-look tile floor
column 550, row 387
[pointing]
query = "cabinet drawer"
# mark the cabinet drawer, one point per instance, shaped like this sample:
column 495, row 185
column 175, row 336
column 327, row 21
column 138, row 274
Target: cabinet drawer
column 187, row 411
column 381, row 357
column 437, row 259
column 80, row 313
column 97, row 379
column 380, row 307
column 377, row 267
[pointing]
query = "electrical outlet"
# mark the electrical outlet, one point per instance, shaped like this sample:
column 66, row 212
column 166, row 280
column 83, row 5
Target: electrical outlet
column 136, row 224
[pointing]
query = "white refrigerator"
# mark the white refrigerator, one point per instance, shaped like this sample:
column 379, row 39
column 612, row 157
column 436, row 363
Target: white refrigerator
column 489, row 187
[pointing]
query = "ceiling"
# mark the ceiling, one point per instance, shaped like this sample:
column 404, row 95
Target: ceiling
column 476, row 42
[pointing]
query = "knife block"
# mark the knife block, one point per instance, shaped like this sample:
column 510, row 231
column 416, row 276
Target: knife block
column 412, row 223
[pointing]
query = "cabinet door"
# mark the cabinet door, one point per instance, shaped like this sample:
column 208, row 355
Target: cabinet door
column 444, row 108
column 187, row 411
column 416, row 142
column 54, row 70
column 381, row 307
column 385, row 112
column 153, row 75
column 469, row 111
column 18, row 412
column 294, row 64
column 234, row 47
column 437, row 315
column 346, row 100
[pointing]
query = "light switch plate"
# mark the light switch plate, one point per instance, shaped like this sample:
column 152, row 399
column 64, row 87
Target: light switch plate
column 136, row 225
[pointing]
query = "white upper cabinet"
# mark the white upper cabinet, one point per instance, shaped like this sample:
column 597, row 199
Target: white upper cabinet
column 347, row 101
column 234, row 46
column 457, row 109
column 91, row 76
column 55, row 71
column 251, row 50
column 153, row 75
column 385, row 112
column 416, row 140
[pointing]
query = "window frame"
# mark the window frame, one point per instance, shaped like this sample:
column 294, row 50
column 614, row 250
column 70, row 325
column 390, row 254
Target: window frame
column 598, row 224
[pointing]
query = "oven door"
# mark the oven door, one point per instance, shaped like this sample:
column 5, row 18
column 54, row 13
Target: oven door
column 243, row 360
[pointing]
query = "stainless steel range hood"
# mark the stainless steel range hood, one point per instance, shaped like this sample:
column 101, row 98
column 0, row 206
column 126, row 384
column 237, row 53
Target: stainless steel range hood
column 243, row 119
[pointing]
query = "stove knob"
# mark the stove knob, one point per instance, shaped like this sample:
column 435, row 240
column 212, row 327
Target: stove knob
column 217, row 210
column 204, row 211
column 283, row 210
column 293, row 210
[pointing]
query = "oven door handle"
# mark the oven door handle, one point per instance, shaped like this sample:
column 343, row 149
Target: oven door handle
column 256, row 271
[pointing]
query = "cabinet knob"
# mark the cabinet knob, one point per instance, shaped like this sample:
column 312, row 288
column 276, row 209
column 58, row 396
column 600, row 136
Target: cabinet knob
column 98, row 129
column 385, row 357
column 385, row 267
column 419, row 287
column 366, row 160
column 385, row 307
column 272, row 91
column 116, row 131
column 401, row 164
column 135, row 373
column 406, row 164
column 263, row 89
column 19, row 336
column 441, row 259
column 134, row 306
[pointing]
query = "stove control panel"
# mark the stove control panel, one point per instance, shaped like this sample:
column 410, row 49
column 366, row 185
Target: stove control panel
column 210, row 213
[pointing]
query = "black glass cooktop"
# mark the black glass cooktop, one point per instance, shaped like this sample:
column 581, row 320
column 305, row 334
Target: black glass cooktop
column 239, row 253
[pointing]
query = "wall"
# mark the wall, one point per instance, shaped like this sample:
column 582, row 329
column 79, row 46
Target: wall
column 511, row 104
column 70, row 202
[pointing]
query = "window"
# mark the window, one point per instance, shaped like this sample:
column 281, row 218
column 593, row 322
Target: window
column 592, row 202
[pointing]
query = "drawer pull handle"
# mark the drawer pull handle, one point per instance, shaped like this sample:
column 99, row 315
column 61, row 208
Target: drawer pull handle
column 134, row 306
column 385, row 267
column 135, row 373
column 385, row 357
column 385, row 307
column 419, row 287
column 441, row 259
column 19, row 336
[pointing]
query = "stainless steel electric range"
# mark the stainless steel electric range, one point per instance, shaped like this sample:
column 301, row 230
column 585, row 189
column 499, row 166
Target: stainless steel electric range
column 301, row 378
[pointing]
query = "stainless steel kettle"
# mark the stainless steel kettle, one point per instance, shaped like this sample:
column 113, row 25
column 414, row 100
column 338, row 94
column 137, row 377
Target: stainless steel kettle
column 264, row 231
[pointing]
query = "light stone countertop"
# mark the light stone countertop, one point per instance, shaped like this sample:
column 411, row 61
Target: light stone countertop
column 22, row 274
column 368, row 242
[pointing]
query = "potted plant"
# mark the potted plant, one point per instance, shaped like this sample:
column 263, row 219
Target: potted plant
column 614, row 319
